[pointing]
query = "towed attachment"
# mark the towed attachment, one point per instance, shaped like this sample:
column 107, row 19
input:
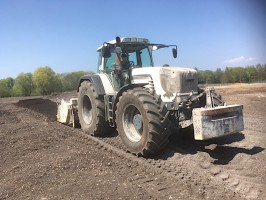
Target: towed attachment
column 67, row 112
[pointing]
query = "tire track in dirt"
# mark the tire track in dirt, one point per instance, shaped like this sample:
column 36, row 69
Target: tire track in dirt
column 232, row 172
column 216, row 175
column 160, row 183
column 241, row 185
column 198, row 182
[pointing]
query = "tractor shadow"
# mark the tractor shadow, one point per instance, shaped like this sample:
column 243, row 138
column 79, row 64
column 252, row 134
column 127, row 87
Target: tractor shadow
column 219, row 149
column 111, row 134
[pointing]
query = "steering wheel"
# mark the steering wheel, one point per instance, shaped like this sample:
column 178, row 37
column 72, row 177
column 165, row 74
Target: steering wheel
column 131, row 63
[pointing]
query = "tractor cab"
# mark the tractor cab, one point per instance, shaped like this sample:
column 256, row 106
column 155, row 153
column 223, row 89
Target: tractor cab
column 118, row 57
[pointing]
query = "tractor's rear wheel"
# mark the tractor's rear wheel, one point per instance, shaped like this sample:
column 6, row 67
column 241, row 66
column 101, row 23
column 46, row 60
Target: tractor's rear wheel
column 142, row 122
column 91, row 111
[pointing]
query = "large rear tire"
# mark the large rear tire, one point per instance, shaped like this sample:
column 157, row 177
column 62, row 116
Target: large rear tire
column 91, row 111
column 142, row 122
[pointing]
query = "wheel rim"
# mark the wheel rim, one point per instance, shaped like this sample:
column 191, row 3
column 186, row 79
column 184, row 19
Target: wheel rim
column 132, row 123
column 87, row 110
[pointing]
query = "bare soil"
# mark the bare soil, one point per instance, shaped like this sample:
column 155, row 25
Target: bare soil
column 43, row 159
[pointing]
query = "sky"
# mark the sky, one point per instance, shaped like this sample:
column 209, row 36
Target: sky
column 64, row 34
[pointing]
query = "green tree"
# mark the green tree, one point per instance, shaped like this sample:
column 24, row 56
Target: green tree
column 233, row 74
column 264, row 73
column 206, row 76
column 70, row 80
column 10, row 82
column 218, row 75
column 201, row 76
column 23, row 84
column 6, row 86
column 261, row 72
column 226, row 76
column 46, row 81
column 209, row 76
column 251, row 74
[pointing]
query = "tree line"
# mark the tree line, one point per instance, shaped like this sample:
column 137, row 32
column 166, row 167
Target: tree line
column 43, row 81
column 249, row 74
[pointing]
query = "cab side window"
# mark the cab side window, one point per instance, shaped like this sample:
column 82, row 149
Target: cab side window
column 100, row 67
column 109, row 62
column 145, row 58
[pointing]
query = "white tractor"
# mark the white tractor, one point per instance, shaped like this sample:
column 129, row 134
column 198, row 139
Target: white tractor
column 146, row 103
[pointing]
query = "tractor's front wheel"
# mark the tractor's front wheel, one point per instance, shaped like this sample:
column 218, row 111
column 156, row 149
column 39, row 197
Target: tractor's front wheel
column 142, row 122
column 91, row 111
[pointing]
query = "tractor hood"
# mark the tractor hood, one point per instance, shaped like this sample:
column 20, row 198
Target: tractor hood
column 169, row 82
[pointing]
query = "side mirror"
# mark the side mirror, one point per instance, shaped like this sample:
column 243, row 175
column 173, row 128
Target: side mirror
column 174, row 52
column 106, row 51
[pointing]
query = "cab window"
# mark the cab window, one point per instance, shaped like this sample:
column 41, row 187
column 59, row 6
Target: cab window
column 110, row 62
column 100, row 67
column 145, row 58
column 141, row 58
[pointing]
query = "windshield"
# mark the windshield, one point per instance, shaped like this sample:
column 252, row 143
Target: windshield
column 138, row 56
column 141, row 58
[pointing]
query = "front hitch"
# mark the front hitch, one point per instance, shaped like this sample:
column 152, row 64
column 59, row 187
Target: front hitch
column 212, row 98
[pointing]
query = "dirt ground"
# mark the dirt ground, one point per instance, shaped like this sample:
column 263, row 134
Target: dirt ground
column 43, row 159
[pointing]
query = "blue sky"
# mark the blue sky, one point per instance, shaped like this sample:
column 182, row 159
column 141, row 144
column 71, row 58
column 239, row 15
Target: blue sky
column 64, row 34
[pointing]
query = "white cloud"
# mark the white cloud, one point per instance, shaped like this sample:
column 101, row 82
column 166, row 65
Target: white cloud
column 250, row 59
column 239, row 59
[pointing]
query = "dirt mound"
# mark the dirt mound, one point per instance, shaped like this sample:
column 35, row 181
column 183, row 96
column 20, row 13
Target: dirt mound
column 64, row 95
column 7, row 118
column 44, row 106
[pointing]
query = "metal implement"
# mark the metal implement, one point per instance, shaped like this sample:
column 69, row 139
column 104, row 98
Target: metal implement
column 67, row 112
column 216, row 122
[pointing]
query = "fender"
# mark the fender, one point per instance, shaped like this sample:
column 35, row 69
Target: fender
column 120, row 92
column 96, row 82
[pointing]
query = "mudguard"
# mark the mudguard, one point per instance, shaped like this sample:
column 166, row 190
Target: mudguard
column 96, row 82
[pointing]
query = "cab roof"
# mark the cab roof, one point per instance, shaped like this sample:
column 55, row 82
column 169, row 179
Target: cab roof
column 128, row 40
